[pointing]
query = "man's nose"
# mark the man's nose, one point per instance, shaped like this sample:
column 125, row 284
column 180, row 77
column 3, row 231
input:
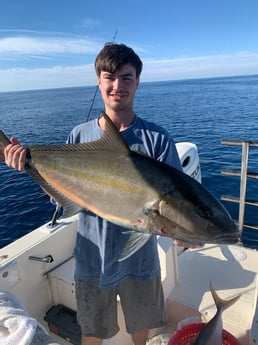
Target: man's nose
column 118, row 83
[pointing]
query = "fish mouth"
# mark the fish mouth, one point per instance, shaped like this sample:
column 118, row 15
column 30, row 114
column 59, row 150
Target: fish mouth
column 220, row 239
column 227, row 238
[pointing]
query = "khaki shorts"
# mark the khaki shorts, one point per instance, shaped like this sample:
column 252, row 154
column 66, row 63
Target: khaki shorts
column 142, row 303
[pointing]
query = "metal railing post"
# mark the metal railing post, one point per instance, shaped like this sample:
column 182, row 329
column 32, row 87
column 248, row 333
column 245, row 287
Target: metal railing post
column 244, row 165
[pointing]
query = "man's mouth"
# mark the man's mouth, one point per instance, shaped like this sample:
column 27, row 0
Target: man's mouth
column 117, row 94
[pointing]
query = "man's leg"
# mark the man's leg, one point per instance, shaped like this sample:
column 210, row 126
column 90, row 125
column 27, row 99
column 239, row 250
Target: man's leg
column 141, row 337
column 90, row 341
column 96, row 312
column 143, row 305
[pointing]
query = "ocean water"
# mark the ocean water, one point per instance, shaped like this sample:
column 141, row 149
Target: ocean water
column 202, row 111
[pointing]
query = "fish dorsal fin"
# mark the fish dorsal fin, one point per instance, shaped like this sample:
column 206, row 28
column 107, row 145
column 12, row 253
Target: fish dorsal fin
column 111, row 140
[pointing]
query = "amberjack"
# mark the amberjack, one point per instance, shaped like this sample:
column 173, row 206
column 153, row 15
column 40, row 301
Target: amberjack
column 129, row 189
column 212, row 333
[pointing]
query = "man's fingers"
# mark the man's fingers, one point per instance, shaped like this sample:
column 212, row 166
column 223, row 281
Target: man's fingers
column 14, row 141
column 15, row 156
column 185, row 244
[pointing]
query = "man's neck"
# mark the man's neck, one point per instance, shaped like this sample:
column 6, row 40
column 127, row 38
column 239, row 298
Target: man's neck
column 121, row 120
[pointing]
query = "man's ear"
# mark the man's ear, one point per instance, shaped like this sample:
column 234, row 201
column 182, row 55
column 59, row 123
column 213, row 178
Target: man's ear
column 99, row 82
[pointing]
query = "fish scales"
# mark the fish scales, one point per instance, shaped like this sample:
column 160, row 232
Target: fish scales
column 97, row 177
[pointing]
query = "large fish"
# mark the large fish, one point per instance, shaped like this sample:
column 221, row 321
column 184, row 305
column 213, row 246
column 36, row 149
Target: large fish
column 212, row 333
column 129, row 189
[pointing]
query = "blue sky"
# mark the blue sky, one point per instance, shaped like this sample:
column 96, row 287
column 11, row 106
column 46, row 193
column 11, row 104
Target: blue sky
column 53, row 43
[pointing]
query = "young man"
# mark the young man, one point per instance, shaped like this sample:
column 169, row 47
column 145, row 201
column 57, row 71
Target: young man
column 99, row 275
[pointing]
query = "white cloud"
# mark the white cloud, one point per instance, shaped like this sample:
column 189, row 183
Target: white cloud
column 202, row 66
column 33, row 46
column 90, row 23
column 43, row 78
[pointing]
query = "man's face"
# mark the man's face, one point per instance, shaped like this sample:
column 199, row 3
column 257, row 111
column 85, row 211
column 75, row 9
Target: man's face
column 118, row 89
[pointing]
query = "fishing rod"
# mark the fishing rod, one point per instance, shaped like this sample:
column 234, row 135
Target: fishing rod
column 92, row 102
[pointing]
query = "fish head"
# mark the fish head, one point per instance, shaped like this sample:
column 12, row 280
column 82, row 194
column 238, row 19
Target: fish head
column 190, row 213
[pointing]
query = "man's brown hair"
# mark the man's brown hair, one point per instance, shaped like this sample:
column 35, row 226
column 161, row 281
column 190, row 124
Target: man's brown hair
column 113, row 56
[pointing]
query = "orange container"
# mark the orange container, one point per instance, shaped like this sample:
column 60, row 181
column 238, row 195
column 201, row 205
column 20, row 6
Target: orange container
column 189, row 333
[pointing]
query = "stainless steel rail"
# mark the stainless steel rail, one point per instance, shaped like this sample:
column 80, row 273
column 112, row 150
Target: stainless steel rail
column 244, row 175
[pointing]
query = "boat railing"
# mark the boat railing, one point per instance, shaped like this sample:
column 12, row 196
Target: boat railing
column 244, row 174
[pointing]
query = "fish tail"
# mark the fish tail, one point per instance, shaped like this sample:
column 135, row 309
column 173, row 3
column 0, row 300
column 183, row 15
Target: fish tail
column 4, row 141
column 222, row 304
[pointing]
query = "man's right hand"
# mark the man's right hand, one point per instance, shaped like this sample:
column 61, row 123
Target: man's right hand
column 15, row 155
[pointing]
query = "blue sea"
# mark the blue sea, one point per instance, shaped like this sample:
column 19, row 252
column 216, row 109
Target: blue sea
column 202, row 111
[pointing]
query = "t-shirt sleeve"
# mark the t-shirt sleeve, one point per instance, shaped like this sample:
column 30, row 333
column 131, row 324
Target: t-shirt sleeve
column 168, row 153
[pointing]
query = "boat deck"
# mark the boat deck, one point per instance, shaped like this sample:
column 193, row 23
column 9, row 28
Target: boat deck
column 232, row 270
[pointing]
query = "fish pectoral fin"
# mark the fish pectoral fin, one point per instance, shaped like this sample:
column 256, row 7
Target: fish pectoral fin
column 134, row 243
column 69, row 208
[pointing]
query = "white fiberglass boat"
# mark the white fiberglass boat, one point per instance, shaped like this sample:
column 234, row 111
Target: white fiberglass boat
column 38, row 270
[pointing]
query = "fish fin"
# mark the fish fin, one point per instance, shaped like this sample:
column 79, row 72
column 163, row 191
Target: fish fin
column 111, row 140
column 69, row 208
column 4, row 141
column 222, row 304
column 112, row 136
column 134, row 243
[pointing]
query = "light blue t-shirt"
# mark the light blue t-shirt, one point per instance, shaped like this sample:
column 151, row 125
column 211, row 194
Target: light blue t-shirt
column 99, row 243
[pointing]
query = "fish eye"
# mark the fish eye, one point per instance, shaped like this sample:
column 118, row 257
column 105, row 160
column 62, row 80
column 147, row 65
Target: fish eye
column 203, row 212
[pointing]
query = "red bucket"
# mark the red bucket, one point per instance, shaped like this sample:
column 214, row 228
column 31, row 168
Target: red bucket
column 189, row 333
